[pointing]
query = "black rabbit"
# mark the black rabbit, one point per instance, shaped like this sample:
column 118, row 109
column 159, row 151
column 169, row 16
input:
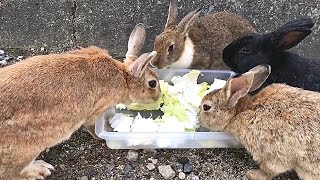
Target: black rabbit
column 287, row 67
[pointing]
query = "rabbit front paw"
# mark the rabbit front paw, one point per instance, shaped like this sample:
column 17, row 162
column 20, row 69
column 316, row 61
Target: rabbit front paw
column 256, row 175
column 38, row 169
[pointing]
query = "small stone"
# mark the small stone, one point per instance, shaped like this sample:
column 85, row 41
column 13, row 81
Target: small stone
column 19, row 57
column 154, row 161
column 127, row 170
column 187, row 168
column 1, row 52
column 179, row 167
column 3, row 62
column 84, row 178
column 184, row 160
column 173, row 158
column 192, row 177
column 150, row 166
column 166, row 171
column 152, row 179
column 132, row 155
column 182, row 175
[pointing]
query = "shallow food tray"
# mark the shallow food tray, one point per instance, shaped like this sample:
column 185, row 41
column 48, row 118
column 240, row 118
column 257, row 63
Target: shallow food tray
column 158, row 140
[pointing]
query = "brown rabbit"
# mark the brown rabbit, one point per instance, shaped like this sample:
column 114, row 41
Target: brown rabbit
column 44, row 99
column 198, row 43
column 279, row 126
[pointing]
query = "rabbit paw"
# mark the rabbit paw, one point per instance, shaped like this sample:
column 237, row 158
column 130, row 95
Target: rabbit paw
column 256, row 175
column 38, row 169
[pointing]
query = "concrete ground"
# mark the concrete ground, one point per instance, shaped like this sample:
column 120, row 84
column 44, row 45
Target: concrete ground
column 83, row 158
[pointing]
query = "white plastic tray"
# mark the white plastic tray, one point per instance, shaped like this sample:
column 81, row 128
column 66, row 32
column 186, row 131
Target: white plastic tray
column 157, row 140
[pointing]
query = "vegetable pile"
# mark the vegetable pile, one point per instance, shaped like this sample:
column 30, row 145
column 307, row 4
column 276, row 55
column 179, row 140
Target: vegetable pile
column 179, row 103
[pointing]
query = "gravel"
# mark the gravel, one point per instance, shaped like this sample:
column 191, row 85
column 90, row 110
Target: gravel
column 166, row 172
column 182, row 175
column 187, row 168
column 132, row 155
column 151, row 166
column 154, row 161
column 82, row 157
column 192, row 177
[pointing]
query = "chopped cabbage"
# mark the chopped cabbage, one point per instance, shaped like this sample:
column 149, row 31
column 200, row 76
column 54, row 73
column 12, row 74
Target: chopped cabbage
column 179, row 103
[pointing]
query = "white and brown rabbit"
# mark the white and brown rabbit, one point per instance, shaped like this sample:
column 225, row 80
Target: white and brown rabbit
column 279, row 126
column 44, row 99
column 198, row 43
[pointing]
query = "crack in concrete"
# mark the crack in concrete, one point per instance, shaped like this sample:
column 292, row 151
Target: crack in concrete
column 73, row 14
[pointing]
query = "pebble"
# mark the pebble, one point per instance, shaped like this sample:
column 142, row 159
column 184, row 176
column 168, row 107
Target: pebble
column 132, row 155
column 19, row 57
column 3, row 62
column 184, row 160
column 150, row 166
column 182, row 175
column 192, row 177
column 166, row 171
column 187, row 168
column 179, row 167
column 154, row 161
column 173, row 158
column 127, row 170
column 84, row 178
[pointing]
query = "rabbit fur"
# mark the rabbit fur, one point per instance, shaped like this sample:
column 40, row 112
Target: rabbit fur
column 45, row 98
column 195, row 42
column 287, row 67
column 279, row 125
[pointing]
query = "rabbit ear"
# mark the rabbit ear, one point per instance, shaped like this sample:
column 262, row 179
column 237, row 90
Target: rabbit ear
column 139, row 66
column 261, row 73
column 172, row 14
column 188, row 21
column 238, row 87
column 136, row 42
column 291, row 33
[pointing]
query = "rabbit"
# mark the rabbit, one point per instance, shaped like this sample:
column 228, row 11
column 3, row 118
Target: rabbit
column 251, row 50
column 197, row 43
column 45, row 98
column 279, row 125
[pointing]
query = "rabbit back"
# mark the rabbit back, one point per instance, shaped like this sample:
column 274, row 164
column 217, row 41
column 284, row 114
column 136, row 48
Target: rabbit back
column 282, row 124
column 212, row 33
column 46, row 98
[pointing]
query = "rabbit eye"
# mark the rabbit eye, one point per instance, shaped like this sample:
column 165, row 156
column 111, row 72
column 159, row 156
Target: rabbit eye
column 206, row 107
column 170, row 48
column 152, row 83
column 245, row 50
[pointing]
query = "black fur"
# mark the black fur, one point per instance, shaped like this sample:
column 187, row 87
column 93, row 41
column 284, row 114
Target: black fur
column 286, row 67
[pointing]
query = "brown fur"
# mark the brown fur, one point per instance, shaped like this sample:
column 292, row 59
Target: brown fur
column 44, row 99
column 210, row 34
column 279, row 126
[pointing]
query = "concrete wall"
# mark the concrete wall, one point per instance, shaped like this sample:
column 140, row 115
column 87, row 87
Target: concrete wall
column 108, row 23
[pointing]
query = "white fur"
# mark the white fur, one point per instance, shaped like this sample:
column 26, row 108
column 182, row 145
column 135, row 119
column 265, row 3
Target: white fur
column 185, row 60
